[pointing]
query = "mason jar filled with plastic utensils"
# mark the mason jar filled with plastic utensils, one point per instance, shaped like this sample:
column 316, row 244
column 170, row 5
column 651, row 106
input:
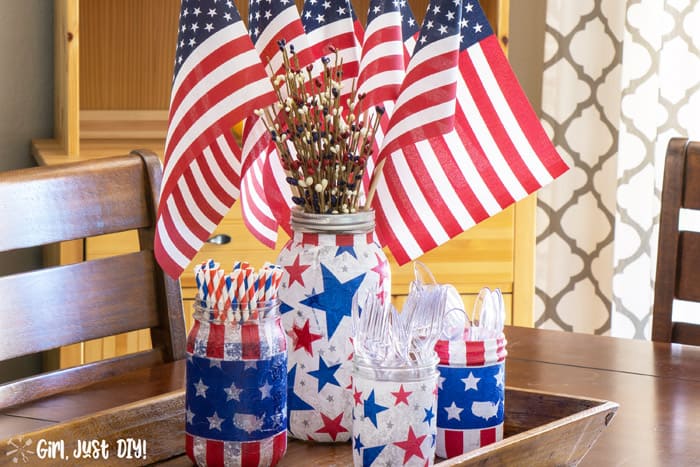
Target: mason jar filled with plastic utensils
column 471, row 396
column 236, row 394
column 394, row 414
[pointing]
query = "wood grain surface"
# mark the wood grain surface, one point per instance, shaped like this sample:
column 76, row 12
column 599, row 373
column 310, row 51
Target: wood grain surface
column 655, row 384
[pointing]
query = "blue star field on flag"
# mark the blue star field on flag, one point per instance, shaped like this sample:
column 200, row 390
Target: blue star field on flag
column 442, row 19
column 409, row 25
column 262, row 12
column 319, row 13
column 198, row 21
column 474, row 26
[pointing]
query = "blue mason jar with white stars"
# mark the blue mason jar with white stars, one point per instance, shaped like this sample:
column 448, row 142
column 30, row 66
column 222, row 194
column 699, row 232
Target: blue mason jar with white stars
column 394, row 414
column 236, row 393
column 329, row 259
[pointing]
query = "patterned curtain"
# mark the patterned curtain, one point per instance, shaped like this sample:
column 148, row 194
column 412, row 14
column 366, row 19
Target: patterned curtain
column 620, row 79
column 660, row 100
column 576, row 214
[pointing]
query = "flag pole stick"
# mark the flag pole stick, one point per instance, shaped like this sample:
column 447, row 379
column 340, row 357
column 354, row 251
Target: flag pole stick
column 373, row 183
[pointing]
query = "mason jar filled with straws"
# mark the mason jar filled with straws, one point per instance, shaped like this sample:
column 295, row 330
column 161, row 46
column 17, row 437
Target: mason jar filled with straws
column 236, row 394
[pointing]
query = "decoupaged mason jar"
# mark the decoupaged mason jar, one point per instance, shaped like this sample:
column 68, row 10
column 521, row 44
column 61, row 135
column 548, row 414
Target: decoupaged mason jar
column 236, row 394
column 395, row 413
column 329, row 258
column 471, row 398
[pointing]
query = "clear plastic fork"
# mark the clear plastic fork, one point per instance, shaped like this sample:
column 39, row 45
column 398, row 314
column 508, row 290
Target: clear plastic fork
column 372, row 330
column 426, row 323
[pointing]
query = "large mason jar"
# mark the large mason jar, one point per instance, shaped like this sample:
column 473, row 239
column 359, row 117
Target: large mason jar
column 329, row 258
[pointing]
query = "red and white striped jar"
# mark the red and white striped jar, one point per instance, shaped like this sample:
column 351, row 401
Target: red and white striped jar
column 329, row 258
column 236, row 389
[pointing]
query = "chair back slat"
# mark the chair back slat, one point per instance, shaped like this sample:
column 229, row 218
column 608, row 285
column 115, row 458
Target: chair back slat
column 678, row 257
column 70, row 202
column 59, row 305
column 688, row 287
column 50, row 308
column 691, row 193
column 48, row 384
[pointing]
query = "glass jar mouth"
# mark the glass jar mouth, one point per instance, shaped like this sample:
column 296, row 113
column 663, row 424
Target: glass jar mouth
column 416, row 372
column 357, row 222
column 258, row 313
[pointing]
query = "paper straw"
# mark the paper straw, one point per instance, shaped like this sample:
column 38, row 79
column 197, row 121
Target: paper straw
column 237, row 296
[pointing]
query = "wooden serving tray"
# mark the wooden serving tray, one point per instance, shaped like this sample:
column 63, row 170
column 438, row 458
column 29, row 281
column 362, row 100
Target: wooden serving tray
column 541, row 429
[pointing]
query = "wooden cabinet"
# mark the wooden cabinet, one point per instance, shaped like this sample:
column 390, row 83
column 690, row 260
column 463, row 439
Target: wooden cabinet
column 113, row 70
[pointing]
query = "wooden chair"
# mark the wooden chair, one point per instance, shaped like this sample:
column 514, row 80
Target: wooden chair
column 678, row 260
column 55, row 306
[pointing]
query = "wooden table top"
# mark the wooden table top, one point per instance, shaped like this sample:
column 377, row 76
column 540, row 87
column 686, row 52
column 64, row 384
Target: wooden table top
column 656, row 385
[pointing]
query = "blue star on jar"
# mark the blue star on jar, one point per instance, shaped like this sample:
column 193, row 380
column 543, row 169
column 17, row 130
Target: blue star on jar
column 335, row 300
column 325, row 374
column 372, row 408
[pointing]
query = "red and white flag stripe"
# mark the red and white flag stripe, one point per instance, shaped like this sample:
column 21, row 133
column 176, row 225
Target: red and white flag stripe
column 432, row 72
column 496, row 153
column 262, row 210
column 219, row 83
column 452, row 443
column 382, row 66
column 211, row 452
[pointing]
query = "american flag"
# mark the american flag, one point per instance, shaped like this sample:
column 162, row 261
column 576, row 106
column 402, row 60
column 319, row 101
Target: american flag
column 236, row 394
column 387, row 46
column 390, row 24
column 218, row 81
column 471, row 395
column 453, row 163
column 265, row 196
column 333, row 23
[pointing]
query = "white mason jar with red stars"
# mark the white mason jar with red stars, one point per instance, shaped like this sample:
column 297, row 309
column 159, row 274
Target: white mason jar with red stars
column 329, row 258
column 395, row 416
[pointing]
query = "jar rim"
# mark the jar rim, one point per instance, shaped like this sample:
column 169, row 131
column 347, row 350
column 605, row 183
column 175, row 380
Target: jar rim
column 361, row 221
column 396, row 373
column 261, row 312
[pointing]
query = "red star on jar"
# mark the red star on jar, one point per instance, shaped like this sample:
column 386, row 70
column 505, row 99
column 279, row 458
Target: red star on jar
column 401, row 395
column 411, row 445
column 296, row 271
column 381, row 268
column 357, row 395
column 302, row 337
column 332, row 426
